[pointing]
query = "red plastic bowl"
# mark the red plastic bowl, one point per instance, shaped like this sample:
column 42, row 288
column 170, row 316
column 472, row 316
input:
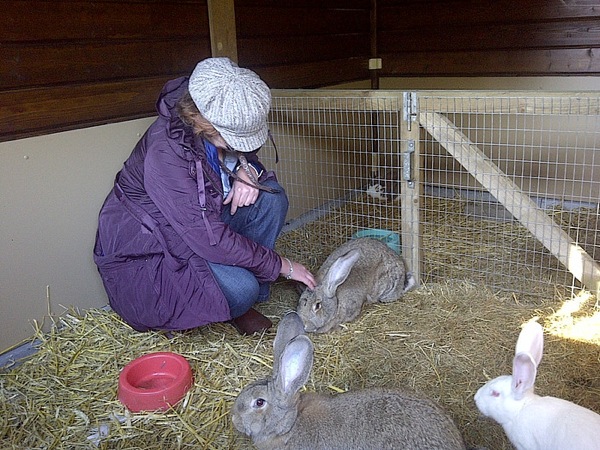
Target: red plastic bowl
column 154, row 382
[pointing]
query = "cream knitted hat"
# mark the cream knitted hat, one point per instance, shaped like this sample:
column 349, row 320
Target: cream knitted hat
column 234, row 100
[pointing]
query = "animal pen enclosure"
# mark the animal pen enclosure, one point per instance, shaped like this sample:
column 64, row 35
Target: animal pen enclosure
column 496, row 188
column 495, row 199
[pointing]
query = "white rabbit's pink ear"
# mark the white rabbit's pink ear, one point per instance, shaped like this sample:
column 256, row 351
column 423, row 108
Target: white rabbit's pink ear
column 524, row 373
column 295, row 365
column 528, row 354
column 339, row 271
column 531, row 341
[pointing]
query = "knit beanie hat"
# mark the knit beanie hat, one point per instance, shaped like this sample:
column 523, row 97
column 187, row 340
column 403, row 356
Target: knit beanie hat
column 234, row 100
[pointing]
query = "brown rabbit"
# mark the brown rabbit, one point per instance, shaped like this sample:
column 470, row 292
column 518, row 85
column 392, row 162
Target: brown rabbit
column 276, row 416
column 363, row 270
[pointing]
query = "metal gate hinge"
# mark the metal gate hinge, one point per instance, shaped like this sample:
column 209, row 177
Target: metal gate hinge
column 409, row 106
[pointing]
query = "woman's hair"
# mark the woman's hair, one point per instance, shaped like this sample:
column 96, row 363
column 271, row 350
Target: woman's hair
column 189, row 114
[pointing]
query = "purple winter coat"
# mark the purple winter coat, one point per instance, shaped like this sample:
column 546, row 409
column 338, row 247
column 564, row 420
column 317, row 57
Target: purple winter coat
column 160, row 224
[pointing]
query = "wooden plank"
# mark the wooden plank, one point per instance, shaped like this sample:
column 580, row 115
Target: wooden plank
column 481, row 102
column 493, row 36
column 410, row 198
column 294, row 50
column 330, row 4
column 510, row 102
column 32, row 112
column 221, row 18
column 280, row 21
column 533, row 62
column 47, row 64
column 444, row 13
column 551, row 235
column 310, row 75
column 335, row 100
column 60, row 20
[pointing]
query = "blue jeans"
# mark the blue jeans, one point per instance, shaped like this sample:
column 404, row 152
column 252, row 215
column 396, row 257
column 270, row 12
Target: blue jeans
column 261, row 222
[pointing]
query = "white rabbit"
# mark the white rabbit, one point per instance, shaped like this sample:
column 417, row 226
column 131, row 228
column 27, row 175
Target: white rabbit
column 363, row 270
column 276, row 416
column 385, row 185
column 530, row 421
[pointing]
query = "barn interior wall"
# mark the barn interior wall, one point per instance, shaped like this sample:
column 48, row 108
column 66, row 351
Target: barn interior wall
column 52, row 188
column 78, row 86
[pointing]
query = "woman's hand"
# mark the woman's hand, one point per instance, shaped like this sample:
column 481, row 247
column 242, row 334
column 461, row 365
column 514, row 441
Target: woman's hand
column 292, row 270
column 241, row 194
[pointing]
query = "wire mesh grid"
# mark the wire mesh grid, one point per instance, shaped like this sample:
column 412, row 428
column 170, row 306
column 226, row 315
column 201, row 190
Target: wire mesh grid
column 508, row 186
column 331, row 149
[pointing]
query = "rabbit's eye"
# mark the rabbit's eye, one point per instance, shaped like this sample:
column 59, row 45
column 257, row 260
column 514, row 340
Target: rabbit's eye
column 260, row 402
column 317, row 306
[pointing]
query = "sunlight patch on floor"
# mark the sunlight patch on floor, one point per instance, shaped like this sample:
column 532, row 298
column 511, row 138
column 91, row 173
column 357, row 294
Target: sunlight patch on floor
column 578, row 319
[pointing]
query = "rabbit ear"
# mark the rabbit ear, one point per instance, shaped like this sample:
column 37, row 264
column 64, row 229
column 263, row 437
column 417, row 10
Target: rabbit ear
column 289, row 327
column 339, row 271
column 528, row 354
column 523, row 377
column 531, row 341
column 295, row 365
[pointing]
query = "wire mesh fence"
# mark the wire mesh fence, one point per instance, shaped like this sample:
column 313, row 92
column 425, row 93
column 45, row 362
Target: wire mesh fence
column 495, row 188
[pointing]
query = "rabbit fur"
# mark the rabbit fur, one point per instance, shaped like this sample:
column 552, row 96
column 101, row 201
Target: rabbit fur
column 276, row 416
column 363, row 270
column 532, row 422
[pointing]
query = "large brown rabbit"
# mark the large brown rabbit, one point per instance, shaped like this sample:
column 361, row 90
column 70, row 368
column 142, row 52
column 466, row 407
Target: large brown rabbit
column 360, row 271
column 276, row 416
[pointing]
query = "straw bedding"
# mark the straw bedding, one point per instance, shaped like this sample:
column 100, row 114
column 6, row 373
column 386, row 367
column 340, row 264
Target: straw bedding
column 444, row 339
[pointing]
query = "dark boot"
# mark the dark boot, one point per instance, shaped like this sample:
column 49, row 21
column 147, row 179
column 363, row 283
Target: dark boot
column 250, row 322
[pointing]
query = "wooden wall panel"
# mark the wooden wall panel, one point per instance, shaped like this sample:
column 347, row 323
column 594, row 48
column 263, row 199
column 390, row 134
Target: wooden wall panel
column 65, row 64
column 35, row 111
column 534, row 62
column 71, row 63
column 448, row 13
column 501, row 38
column 44, row 65
column 315, row 74
column 484, row 36
column 306, row 43
column 55, row 20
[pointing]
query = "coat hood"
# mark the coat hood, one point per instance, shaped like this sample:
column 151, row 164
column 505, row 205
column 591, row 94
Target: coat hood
column 179, row 135
column 171, row 92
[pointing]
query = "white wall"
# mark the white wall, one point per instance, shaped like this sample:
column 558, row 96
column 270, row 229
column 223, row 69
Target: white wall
column 51, row 190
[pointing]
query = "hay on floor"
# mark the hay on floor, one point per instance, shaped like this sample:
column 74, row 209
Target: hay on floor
column 501, row 254
column 443, row 339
